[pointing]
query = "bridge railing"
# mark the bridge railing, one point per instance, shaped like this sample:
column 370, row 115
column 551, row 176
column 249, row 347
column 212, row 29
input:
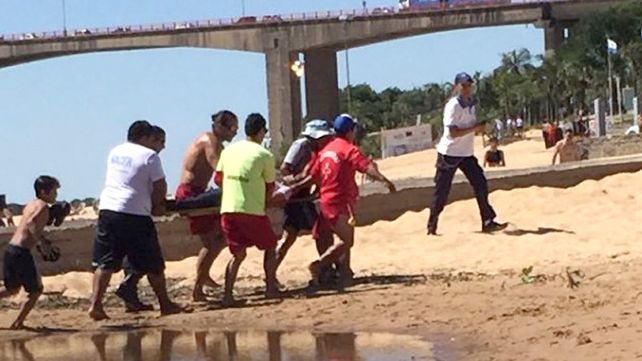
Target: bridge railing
column 251, row 21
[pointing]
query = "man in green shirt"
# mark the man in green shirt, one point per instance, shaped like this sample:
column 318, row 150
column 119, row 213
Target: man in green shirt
column 246, row 174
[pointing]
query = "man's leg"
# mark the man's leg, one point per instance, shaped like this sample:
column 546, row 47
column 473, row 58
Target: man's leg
column 100, row 282
column 157, row 281
column 475, row 175
column 231, row 271
column 345, row 232
column 128, row 289
column 284, row 246
column 269, row 266
column 446, row 168
column 212, row 246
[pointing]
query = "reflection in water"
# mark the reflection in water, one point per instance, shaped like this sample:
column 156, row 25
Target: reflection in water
column 171, row 345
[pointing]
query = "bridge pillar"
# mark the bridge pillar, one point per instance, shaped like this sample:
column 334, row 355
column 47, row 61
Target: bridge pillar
column 553, row 38
column 284, row 99
column 321, row 84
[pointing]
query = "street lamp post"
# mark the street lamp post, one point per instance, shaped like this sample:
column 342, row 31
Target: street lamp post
column 64, row 18
column 345, row 46
column 242, row 7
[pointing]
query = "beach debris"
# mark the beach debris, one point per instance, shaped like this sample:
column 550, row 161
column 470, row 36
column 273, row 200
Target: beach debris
column 573, row 277
column 583, row 339
column 528, row 277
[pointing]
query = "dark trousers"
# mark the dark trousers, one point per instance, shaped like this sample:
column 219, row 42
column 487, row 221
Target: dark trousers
column 446, row 168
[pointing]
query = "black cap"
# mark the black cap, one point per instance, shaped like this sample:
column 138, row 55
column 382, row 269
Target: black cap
column 463, row 78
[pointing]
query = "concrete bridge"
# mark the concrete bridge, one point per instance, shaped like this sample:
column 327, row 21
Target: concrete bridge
column 318, row 36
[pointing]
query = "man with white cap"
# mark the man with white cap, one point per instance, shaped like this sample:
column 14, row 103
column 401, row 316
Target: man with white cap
column 301, row 214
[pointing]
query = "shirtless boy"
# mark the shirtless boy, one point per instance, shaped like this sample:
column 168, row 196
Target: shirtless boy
column 19, row 266
column 199, row 164
column 567, row 149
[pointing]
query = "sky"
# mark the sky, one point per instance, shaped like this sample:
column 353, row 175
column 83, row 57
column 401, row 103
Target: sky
column 61, row 116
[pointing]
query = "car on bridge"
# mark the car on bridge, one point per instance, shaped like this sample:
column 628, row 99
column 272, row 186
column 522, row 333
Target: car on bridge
column 272, row 18
column 81, row 32
column 246, row 20
column 28, row 36
column 179, row 26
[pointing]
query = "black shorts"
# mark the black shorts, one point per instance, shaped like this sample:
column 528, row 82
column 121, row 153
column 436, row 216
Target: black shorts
column 300, row 215
column 119, row 235
column 20, row 270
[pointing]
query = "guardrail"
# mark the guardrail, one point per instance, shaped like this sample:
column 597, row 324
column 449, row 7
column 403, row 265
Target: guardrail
column 260, row 20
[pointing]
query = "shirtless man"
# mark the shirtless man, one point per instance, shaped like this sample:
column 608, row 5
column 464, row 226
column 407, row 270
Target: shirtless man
column 199, row 164
column 19, row 266
column 567, row 149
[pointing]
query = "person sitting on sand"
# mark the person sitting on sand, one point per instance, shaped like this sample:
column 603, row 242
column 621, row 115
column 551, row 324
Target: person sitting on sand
column 19, row 266
column 635, row 129
column 567, row 149
column 494, row 157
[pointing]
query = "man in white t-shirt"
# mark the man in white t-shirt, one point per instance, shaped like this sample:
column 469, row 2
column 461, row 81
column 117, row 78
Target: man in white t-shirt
column 135, row 189
column 456, row 151
column 519, row 123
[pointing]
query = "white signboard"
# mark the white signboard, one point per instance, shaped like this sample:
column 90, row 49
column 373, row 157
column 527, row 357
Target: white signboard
column 400, row 141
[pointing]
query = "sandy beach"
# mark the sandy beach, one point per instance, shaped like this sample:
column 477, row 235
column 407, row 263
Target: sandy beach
column 463, row 290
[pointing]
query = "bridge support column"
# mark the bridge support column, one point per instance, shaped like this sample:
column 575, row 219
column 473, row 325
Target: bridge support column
column 321, row 84
column 553, row 38
column 284, row 99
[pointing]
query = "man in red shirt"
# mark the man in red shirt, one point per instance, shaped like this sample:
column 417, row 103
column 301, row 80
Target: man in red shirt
column 334, row 172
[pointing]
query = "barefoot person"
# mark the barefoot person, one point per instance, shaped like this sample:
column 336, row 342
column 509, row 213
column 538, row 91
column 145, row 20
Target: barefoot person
column 334, row 172
column 135, row 188
column 567, row 149
column 246, row 173
column 199, row 163
column 301, row 214
column 19, row 267
column 456, row 151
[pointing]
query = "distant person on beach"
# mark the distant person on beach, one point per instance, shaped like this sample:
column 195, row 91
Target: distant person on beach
column 19, row 268
column 135, row 189
column 567, row 149
column 519, row 124
column 456, row 150
column 494, row 157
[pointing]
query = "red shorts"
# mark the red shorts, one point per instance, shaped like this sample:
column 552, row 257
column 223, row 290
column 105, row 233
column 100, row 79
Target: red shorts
column 199, row 224
column 246, row 230
column 328, row 216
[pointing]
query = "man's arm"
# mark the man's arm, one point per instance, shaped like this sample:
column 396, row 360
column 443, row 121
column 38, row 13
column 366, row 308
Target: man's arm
column 37, row 226
column 159, row 191
column 374, row 173
column 212, row 151
column 557, row 152
column 457, row 132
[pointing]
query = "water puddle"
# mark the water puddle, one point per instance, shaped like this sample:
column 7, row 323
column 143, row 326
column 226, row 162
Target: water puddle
column 168, row 345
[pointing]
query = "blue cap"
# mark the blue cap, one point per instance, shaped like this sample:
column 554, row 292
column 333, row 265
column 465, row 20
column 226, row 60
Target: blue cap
column 463, row 78
column 343, row 123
